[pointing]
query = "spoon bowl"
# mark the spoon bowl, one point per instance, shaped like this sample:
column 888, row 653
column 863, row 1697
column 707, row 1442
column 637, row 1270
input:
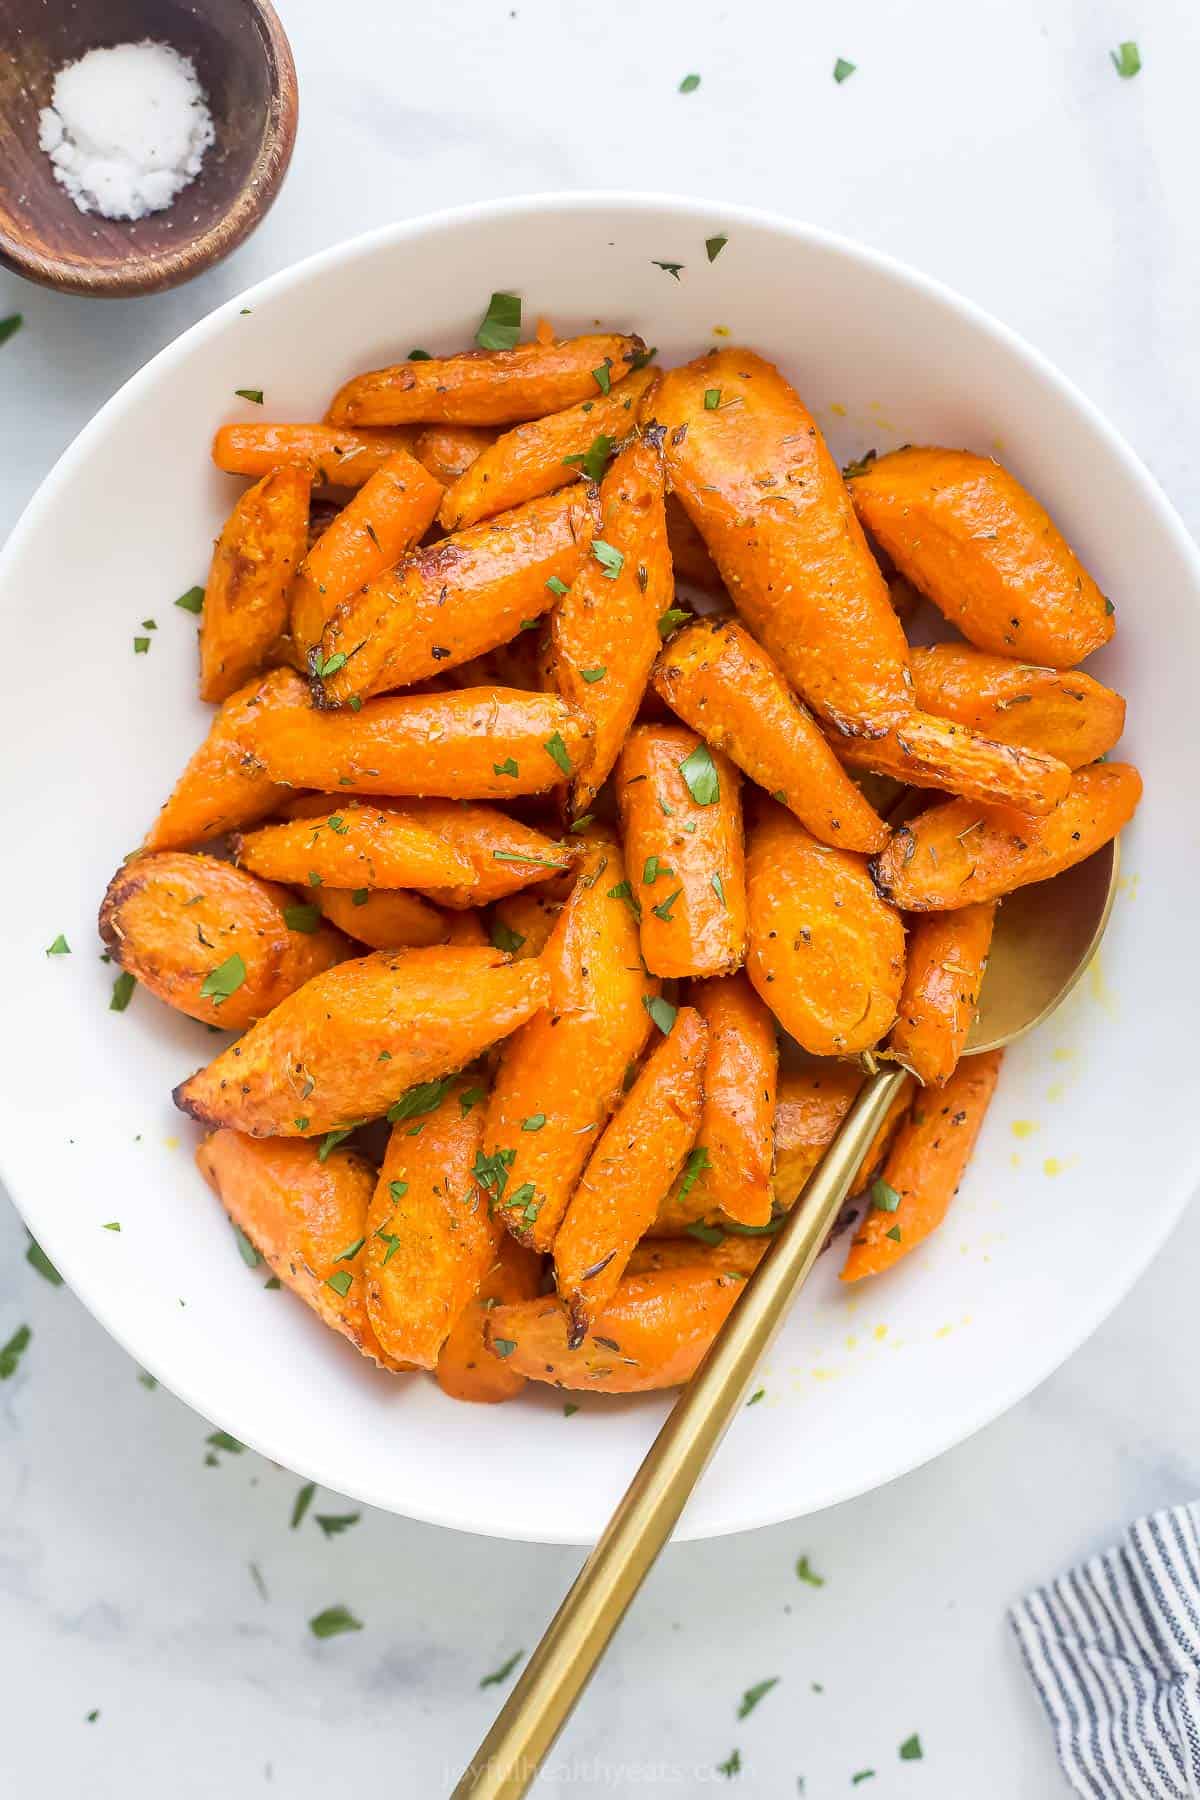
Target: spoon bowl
column 244, row 65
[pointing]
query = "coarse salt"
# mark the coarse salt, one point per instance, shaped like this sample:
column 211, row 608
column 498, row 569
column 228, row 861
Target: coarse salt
column 126, row 129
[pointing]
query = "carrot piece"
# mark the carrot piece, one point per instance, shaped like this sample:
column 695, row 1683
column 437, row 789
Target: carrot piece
column 689, row 553
column 476, row 744
column 653, row 1335
column 732, row 1255
column 811, row 1104
column 758, row 480
column 885, row 1133
column 466, row 1368
column 502, row 854
column 542, row 455
column 975, row 542
column 1069, row 715
column 826, row 953
column 639, row 1155
column 448, row 451
column 681, row 812
column 957, row 853
column 429, row 1240
column 383, row 521
column 486, row 387
column 210, row 940
column 567, row 1067
column 737, row 1127
column 522, row 923
column 318, row 1061
column 724, row 686
column 928, row 752
column 456, row 599
column 301, row 1212
column 384, row 918
column 604, row 632
column 357, row 846
column 341, row 458
column 467, row 928
column 947, row 954
column 222, row 787
column 245, row 602
column 924, row 1167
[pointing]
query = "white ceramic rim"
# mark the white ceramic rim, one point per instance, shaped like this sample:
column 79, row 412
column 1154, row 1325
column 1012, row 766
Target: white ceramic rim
column 1125, row 1273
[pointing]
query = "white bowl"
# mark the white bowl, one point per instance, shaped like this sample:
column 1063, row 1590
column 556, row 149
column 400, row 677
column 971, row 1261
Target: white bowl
column 1090, row 1152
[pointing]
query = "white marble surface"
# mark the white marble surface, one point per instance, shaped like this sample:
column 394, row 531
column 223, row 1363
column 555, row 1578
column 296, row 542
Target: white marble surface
column 993, row 145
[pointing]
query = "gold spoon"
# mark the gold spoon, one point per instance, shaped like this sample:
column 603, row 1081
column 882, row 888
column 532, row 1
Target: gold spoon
column 1044, row 939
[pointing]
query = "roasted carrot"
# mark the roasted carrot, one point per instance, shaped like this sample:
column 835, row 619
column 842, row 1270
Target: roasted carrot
column 1066, row 714
column 681, row 812
column 351, row 1042
column 757, row 479
column 502, row 854
column 467, row 928
column 522, row 923
column 383, row 521
column 341, row 458
column 689, row 553
column 487, row 387
column 975, row 542
column 957, row 853
column 255, row 559
column 476, row 744
column 428, row 1240
column 448, row 451
column 301, row 1211
column 947, row 955
column 604, row 632
column 923, row 1168
column 811, row 1104
column 737, row 1127
column 456, row 599
column 222, row 786
column 826, row 954
column 653, row 1334
column 942, row 754
column 730, row 1255
column 210, row 940
column 466, row 1368
column 544, row 454
column 724, row 686
column 384, row 918
column 357, row 846
column 558, row 1080
column 630, row 1171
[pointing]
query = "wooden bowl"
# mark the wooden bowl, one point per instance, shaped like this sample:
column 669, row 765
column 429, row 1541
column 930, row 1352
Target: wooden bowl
column 244, row 64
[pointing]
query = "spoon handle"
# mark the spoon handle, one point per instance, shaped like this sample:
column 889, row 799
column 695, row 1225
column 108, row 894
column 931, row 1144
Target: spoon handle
column 558, row 1671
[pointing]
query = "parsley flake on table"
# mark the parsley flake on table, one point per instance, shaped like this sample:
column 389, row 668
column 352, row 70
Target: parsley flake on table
column 503, row 1672
column 254, row 394
column 557, row 750
column 756, row 1396
column 333, row 1524
column 910, row 1749
column 569, row 1407
column 806, row 1572
column 192, row 601
column 884, row 1195
column 302, row 1503
column 59, row 947
column 699, row 771
column 610, row 560
column 714, row 245
column 862, row 1775
column 843, row 70
column 90, row 1718
column 221, row 1440
column 301, row 918
column 224, row 980
column 419, row 356
column 333, row 1622
column 246, row 1249
column 500, row 327
column 13, row 1351
column 731, row 1766
column 689, row 84
column 753, row 1695
column 147, row 1380
column 141, row 646
column 661, row 1011
column 1126, row 59
column 10, row 325
column 670, row 267
column 37, row 1259
column 122, row 992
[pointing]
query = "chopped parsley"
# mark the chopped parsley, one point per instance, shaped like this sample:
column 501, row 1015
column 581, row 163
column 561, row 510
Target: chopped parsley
column 425, row 1097
column 500, row 327
column 254, row 394
column 581, row 823
column 603, row 377
column 397, row 1189
column 301, row 918
column 59, row 947
column 221, row 1440
column 302, row 1502
column 331, row 664
column 806, row 1572
column 113, row 1225
column 671, row 620
column 910, row 1749
column 503, row 1672
column 470, row 1097
column 610, row 560
column 756, row 1396
column 359, row 897
column 538, row 862
column 843, row 70
column 689, row 84
column 670, row 267
column 1126, row 60
column 13, row 1351
column 661, row 1011
column 534, row 1122
column 192, row 601
column 504, row 1346
column 714, row 246
column 623, row 891
column 37, row 1259
column 333, row 1622
column 140, row 646
column 663, row 909
column 693, row 1168
column 332, row 1139
column 10, row 325
column 351, row 1251
column 862, row 1775
column 246, row 1250
column 341, row 1281
column 507, row 767
column 504, row 938
column 333, row 1524
column 753, row 1695
column 557, row 586
column 594, row 459
column 652, row 869
column 884, row 1196
column 569, row 1407
column 700, row 773
column 591, row 675
column 122, row 992
column 712, row 399
column 718, row 888
column 224, row 980
column 894, row 1234
column 731, row 1766
column 557, row 751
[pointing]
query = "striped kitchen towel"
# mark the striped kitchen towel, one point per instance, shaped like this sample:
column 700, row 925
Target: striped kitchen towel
column 1114, row 1648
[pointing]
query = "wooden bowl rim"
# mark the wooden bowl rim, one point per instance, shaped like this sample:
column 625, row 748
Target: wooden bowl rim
column 153, row 271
